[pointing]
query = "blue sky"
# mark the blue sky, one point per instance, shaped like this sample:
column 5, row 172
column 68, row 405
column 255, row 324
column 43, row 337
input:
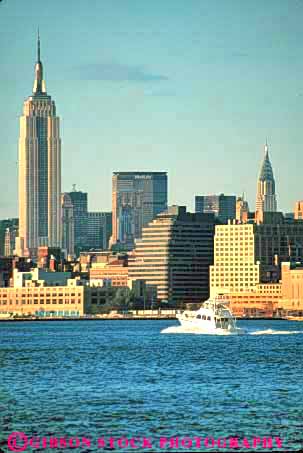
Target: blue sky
column 193, row 87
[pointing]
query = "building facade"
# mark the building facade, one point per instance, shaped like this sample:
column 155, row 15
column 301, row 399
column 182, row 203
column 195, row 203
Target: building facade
column 109, row 269
column 10, row 240
column 248, row 254
column 12, row 225
column 174, row 255
column 39, row 170
column 242, row 210
column 222, row 206
column 262, row 301
column 235, row 265
column 80, row 214
column 68, row 225
column 266, row 190
column 137, row 197
column 99, row 230
column 40, row 293
column 292, row 288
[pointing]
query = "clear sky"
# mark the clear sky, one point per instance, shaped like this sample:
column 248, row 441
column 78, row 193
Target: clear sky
column 192, row 87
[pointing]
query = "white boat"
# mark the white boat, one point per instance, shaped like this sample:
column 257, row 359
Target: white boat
column 213, row 317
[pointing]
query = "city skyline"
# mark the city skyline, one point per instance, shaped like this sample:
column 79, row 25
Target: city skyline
column 163, row 104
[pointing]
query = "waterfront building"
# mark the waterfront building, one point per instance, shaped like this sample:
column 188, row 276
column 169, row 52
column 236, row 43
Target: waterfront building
column 298, row 212
column 39, row 170
column 242, row 210
column 261, row 301
column 174, row 255
column 99, row 230
column 273, row 299
column 248, row 254
column 222, row 206
column 12, row 225
column 80, row 205
column 137, row 197
column 292, row 288
column 41, row 293
column 266, row 191
column 68, row 225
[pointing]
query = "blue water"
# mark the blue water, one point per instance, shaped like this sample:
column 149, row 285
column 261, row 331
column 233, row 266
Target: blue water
column 125, row 378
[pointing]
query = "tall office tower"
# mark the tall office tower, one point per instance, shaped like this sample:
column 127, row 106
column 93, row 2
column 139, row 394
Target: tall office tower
column 68, row 224
column 99, row 230
column 174, row 255
column 248, row 254
column 12, row 225
column 266, row 194
column 39, row 170
column 137, row 197
column 242, row 209
column 79, row 202
column 223, row 206
column 298, row 213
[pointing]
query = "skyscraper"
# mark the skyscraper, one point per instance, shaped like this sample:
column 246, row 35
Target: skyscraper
column 79, row 202
column 12, row 226
column 137, row 197
column 242, row 209
column 39, row 170
column 9, row 241
column 99, row 230
column 68, row 224
column 266, row 192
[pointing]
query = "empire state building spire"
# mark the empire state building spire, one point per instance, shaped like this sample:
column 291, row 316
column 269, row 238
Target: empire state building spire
column 39, row 83
column 266, row 193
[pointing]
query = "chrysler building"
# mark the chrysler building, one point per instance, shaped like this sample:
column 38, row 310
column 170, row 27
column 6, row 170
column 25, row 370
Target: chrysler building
column 266, row 194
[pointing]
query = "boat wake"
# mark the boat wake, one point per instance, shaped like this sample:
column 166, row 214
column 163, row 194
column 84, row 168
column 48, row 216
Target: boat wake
column 275, row 332
column 182, row 329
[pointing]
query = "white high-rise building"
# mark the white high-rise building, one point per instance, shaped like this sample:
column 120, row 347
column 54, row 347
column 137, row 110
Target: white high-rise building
column 39, row 170
column 266, row 192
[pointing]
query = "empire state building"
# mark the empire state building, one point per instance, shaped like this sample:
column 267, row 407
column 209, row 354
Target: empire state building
column 39, row 170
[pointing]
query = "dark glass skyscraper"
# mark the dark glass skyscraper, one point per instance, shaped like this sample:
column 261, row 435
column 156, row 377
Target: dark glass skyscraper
column 99, row 230
column 79, row 202
column 174, row 255
column 137, row 198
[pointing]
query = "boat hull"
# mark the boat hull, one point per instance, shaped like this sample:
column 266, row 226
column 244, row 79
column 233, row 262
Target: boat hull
column 198, row 327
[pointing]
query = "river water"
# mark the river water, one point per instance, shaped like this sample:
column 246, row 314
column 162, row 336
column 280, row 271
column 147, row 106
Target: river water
column 148, row 379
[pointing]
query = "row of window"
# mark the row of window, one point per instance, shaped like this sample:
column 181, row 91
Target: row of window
column 39, row 301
